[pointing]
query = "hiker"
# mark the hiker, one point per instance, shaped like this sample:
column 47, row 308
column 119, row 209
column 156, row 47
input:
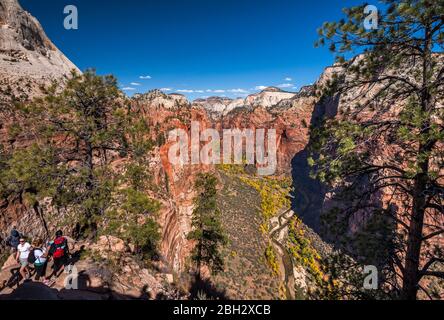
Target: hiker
column 23, row 250
column 59, row 251
column 38, row 257
column 13, row 240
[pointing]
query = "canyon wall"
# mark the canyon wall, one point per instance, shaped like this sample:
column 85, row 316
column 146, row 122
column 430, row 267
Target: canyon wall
column 28, row 60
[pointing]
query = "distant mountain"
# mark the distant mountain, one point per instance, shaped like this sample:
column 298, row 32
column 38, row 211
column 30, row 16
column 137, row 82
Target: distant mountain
column 267, row 98
column 157, row 98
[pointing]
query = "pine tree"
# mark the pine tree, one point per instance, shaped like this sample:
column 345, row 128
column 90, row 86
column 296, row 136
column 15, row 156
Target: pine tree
column 399, row 82
column 78, row 133
column 85, row 125
column 134, row 212
column 207, row 229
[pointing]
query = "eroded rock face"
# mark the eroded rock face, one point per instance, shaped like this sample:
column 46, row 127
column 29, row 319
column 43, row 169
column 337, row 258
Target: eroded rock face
column 156, row 99
column 109, row 243
column 28, row 61
column 164, row 113
column 290, row 118
column 27, row 56
column 20, row 30
column 218, row 107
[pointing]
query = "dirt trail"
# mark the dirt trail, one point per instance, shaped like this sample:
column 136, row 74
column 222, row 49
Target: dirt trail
column 286, row 263
column 31, row 290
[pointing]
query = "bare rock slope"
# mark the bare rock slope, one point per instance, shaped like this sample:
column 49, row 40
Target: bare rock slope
column 27, row 56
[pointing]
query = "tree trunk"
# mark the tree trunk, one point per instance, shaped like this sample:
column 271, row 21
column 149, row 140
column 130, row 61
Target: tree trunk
column 90, row 166
column 38, row 210
column 91, row 225
column 413, row 254
column 199, row 259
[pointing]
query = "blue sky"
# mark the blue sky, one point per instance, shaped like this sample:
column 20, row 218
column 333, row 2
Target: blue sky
column 230, row 47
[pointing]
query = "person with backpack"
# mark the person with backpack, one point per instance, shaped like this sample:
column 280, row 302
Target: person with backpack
column 13, row 240
column 38, row 257
column 23, row 250
column 59, row 252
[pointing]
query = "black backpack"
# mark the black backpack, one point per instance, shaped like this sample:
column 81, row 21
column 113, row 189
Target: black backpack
column 31, row 256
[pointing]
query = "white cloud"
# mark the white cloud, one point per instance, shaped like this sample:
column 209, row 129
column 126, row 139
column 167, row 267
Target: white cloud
column 165, row 89
column 185, row 91
column 135, row 84
column 219, row 91
column 238, row 91
column 128, row 88
column 260, row 87
column 199, row 91
column 145, row 77
column 209, row 90
column 295, row 88
column 286, row 85
column 288, row 79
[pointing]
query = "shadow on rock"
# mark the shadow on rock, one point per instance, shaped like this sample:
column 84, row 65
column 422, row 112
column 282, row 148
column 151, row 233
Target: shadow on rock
column 204, row 289
column 309, row 193
column 38, row 291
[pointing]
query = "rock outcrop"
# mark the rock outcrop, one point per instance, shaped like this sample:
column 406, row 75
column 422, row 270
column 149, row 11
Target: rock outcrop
column 218, row 107
column 28, row 59
column 104, row 270
column 158, row 100
column 27, row 55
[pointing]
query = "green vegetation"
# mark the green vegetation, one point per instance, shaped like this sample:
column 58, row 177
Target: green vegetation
column 232, row 168
column 78, row 134
column 271, row 259
column 302, row 250
column 207, row 229
column 274, row 194
column 372, row 148
column 244, row 253
column 133, row 221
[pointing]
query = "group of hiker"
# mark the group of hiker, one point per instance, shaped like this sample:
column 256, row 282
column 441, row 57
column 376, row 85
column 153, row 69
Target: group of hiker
column 38, row 254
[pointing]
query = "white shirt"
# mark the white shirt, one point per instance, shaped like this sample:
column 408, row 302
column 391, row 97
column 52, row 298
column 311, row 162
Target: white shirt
column 38, row 254
column 24, row 250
